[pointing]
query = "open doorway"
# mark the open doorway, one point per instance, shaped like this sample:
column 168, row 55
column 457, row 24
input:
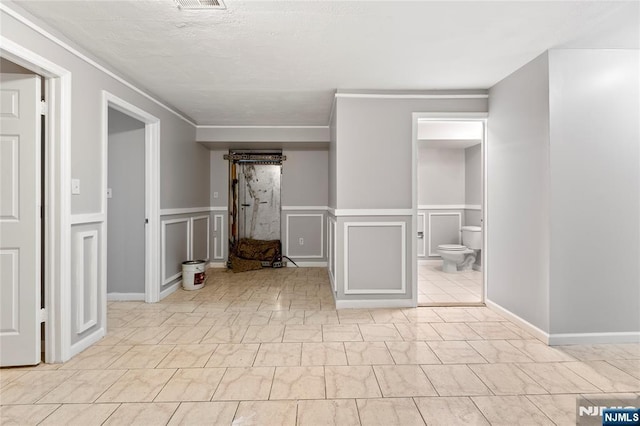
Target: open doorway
column 131, row 202
column 449, row 200
column 126, row 210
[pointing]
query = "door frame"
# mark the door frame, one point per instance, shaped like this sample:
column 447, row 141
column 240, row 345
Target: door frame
column 57, row 196
column 152, row 195
column 448, row 116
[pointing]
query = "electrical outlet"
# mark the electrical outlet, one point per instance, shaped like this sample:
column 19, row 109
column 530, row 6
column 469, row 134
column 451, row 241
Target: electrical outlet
column 215, row 195
column 109, row 193
column 301, row 241
column 75, row 186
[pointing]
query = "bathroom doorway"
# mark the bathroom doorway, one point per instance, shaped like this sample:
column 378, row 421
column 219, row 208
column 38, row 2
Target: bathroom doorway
column 449, row 192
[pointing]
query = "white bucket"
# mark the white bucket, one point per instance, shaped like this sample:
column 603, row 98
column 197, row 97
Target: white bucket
column 193, row 274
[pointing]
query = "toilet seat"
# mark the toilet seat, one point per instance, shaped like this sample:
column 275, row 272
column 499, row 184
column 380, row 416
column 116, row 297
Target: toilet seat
column 452, row 247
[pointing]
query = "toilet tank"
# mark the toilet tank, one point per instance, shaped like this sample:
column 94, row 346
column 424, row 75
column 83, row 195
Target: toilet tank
column 472, row 237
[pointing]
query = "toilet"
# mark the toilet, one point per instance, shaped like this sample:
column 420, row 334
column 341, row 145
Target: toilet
column 456, row 257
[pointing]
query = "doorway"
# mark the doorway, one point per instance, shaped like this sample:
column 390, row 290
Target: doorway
column 135, row 126
column 126, row 210
column 449, row 201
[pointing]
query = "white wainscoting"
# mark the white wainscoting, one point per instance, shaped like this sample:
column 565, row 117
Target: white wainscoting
column 422, row 243
column 219, row 237
column 163, row 236
column 86, row 280
column 331, row 249
column 403, row 259
column 430, row 223
column 320, row 254
column 193, row 236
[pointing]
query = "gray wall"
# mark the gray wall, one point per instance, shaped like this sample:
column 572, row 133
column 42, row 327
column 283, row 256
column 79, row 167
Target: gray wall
column 333, row 162
column 305, row 178
column 595, row 190
column 126, row 208
column 518, row 196
column 219, row 180
column 473, row 175
column 441, row 176
column 374, row 147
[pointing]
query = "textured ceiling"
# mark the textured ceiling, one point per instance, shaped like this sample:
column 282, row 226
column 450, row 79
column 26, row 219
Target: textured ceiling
column 279, row 63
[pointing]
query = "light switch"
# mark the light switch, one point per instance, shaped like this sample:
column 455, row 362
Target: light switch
column 75, row 186
column 215, row 195
column 109, row 193
column 301, row 241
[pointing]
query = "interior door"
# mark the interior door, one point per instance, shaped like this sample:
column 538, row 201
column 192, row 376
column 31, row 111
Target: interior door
column 259, row 199
column 19, row 219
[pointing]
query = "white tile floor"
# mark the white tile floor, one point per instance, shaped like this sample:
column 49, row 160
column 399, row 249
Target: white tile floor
column 437, row 287
column 269, row 348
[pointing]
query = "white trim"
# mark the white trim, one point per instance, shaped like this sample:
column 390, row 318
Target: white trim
column 171, row 289
column 85, row 218
column 331, row 251
column 57, row 250
column 375, row 303
column 593, row 338
column 191, row 210
column 423, row 251
column 526, row 325
column 411, row 96
column 125, row 297
column 221, row 126
column 403, row 258
column 449, row 207
column 430, row 252
column 82, row 263
column 193, row 219
column 218, row 254
column 151, row 190
column 320, row 264
column 83, row 344
column 90, row 61
column 163, row 237
column 304, row 208
column 313, row 256
column 331, row 211
column 216, row 265
column 372, row 212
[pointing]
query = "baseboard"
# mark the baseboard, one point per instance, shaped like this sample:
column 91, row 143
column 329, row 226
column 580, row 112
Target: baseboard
column 125, row 296
column 307, row 264
column 375, row 303
column 593, row 338
column 76, row 348
column 429, row 261
column 216, row 265
column 173, row 287
column 528, row 327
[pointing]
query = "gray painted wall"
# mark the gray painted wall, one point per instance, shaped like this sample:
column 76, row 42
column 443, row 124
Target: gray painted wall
column 518, row 196
column 305, row 178
column 441, row 176
column 473, row 175
column 126, row 208
column 219, row 178
column 374, row 148
column 595, row 191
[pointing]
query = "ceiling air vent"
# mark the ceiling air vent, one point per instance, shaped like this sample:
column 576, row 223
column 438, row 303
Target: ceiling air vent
column 200, row 4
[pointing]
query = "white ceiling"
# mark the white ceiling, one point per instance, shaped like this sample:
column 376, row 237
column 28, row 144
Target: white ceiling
column 279, row 62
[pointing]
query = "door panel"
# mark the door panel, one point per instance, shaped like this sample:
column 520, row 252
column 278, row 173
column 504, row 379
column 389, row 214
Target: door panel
column 259, row 199
column 19, row 219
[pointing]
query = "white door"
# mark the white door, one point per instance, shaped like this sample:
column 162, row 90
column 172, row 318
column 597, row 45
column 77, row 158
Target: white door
column 19, row 219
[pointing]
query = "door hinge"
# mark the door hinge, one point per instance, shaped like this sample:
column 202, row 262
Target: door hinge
column 43, row 315
column 44, row 108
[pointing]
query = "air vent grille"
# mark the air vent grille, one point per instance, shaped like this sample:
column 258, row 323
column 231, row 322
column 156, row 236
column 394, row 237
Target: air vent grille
column 200, row 4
